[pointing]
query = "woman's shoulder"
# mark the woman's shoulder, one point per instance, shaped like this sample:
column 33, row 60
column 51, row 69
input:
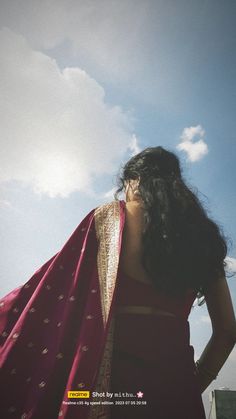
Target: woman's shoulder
column 133, row 207
column 113, row 203
column 109, row 213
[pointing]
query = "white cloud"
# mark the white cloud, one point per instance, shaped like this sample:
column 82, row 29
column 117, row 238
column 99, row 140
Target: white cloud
column 124, row 44
column 231, row 264
column 57, row 132
column 133, row 146
column 106, row 35
column 189, row 133
column 4, row 203
column 197, row 149
column 109, row 194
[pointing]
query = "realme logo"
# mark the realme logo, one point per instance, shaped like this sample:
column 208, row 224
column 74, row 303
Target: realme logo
column 78, row 394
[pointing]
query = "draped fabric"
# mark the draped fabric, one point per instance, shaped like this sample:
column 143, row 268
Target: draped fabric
column 58, row 330
column 153, row 369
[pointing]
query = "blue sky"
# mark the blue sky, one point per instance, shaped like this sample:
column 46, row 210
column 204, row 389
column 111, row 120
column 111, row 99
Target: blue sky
column 85, row 85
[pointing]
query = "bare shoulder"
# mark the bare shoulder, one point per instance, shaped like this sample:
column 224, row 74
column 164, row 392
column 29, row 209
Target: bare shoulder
column 220, row 308
column 134, row 210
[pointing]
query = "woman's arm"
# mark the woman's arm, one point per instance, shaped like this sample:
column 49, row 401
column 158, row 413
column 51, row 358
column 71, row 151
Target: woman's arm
column 223, row 337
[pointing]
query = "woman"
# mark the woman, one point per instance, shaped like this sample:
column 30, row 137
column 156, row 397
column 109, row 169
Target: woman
column 108, row 313
column 171, row 253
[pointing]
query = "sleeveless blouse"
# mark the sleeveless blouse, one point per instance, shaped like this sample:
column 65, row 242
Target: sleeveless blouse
column 134, row 292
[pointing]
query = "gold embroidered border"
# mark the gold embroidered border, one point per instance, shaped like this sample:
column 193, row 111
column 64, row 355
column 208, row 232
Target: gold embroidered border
column 107, row 224
column 104, row 377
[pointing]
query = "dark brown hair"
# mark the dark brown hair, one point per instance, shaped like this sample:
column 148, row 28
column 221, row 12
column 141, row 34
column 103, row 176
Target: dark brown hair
column 183, row 247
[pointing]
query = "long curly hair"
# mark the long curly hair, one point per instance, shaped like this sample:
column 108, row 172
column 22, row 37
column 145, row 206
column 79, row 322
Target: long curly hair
column 182, row 247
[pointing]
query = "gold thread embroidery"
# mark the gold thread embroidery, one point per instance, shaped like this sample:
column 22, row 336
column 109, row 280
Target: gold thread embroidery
column 107, row 225
column 103, row 381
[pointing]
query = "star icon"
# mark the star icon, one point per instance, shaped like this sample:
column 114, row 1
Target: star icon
column 140, row 394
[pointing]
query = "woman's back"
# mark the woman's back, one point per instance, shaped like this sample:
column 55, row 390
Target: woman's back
column 131, row 250
column 218, row 299
column 151, row 338
column 151, row 349
column 217, row 295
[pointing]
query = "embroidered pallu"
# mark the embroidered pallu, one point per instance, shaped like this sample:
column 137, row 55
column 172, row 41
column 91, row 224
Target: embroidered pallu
column 56, row 329
column 58, row 333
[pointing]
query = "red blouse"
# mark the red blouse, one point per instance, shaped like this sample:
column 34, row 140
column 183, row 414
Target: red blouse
column 131, row 291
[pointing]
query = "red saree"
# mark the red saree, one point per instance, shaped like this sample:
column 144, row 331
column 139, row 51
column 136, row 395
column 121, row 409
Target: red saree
column 57, row 331
column 152, row 358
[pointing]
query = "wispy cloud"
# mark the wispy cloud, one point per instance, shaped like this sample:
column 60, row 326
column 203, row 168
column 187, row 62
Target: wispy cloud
column 113, row 40
column 197, row 149
column 4, row 203
column 109, row 194
column 231, row 264
column 133, row 149
column 95, row 32
column 203, row 318
column 58, row 132
column 133, row 146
